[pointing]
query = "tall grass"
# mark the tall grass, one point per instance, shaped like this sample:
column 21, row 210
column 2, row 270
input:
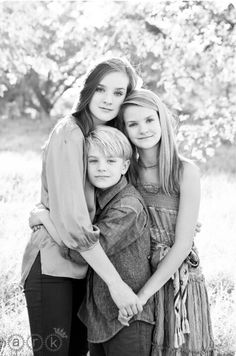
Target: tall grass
column 20, row 165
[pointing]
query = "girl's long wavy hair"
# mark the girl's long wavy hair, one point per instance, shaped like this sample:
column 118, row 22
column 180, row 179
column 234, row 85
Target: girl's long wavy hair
column 82, row 113
column 169, row 161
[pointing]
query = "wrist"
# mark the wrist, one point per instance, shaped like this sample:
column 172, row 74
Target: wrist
column 114, row 282
column 143, row 296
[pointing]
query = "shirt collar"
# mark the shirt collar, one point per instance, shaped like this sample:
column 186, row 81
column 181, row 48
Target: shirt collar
column 104, row 196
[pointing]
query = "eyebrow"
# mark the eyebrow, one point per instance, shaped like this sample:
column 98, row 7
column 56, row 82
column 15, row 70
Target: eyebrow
column 107, row 156
column 147, row 117
column 104, row 86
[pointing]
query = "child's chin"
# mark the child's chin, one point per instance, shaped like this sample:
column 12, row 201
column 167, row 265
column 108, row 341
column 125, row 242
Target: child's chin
column 103, row 186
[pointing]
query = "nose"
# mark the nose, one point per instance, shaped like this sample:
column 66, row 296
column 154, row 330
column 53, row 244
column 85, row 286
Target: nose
column 107, row 98
column 102, row 167
column 143, row 128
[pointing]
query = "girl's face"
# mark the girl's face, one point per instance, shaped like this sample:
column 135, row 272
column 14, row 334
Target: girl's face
column 108, row 97
column 142, row 126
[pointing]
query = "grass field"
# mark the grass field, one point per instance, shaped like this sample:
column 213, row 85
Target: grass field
column 20, row 165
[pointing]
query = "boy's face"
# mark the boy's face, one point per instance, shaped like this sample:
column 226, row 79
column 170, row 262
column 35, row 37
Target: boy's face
column 104, row 171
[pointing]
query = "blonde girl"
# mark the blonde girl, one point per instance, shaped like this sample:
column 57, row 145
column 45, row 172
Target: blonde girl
column 170, row 186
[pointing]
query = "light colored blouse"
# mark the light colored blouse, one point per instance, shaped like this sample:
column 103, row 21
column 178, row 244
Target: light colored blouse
column 69, row 197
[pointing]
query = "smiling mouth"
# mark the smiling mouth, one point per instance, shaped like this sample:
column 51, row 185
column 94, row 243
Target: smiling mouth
column 144, row 138
column 102, row 177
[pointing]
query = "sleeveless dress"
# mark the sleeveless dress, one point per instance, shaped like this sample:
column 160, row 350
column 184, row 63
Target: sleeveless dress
column 183, row 324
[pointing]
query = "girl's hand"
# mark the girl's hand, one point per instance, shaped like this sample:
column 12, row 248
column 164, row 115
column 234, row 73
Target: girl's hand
column 125, row 299
column 142, row 297
column 123, row 317
column 198, row 228
column 124, row 320
column 36, row 227
column 35, row 217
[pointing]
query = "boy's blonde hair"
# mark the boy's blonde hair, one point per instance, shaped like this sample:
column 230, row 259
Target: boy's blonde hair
column 112, row 142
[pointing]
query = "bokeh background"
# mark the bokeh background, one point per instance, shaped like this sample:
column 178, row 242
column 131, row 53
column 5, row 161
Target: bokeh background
column 183, row 50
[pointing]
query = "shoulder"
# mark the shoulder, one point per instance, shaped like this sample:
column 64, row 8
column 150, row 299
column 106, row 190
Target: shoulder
column 190, row 174
column 190, row 169
column 67, row 129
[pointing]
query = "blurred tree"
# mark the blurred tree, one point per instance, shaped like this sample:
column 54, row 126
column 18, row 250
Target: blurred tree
column 184, row 50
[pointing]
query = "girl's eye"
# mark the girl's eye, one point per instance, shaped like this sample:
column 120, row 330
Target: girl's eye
column 111, row 160
column 132, row 124
column 100, row 89
column 150, row 120
column 92, row 161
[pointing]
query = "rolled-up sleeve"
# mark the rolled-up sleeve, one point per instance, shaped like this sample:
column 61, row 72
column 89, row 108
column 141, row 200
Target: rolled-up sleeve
column 64, row 167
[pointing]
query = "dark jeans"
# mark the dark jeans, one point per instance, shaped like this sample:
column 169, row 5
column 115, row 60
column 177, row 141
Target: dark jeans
column 134, row 340
column 53, row 303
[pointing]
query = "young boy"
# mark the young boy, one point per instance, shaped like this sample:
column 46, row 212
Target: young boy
column 124, row 235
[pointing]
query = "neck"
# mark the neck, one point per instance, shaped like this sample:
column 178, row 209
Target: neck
column 148, row 158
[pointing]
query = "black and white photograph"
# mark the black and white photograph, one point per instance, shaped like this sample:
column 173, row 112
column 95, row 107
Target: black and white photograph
column 118, row 178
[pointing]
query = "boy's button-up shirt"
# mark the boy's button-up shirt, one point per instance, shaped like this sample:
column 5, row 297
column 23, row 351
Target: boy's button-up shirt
column 125, row 236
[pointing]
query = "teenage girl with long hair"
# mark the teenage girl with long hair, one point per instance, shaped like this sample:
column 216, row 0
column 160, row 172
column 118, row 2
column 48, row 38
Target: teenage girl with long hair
column 170, row 186
column 54, row 286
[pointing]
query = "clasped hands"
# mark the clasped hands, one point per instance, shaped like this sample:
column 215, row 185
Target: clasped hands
column 128, row 303
column 126, row 313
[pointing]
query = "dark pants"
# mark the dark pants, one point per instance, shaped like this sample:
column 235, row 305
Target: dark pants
column 134, row 340
column 53, row 303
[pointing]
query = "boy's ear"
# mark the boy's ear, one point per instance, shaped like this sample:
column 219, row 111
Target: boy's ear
column 125, row 166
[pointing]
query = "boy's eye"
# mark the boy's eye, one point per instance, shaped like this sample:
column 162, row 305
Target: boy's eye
column 110, row 160
column 92, row 160
column 119, row 93
column 150, row 119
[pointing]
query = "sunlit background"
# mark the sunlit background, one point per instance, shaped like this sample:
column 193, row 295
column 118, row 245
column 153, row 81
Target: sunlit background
column 185, row 52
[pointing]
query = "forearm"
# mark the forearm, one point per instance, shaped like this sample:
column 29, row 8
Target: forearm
column 121, row 293
column 165, row 270
column 98, row 260
column 184, row 231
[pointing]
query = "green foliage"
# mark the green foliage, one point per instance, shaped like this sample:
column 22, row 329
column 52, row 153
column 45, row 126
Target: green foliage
column 184, row 50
